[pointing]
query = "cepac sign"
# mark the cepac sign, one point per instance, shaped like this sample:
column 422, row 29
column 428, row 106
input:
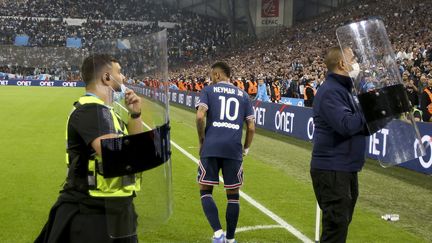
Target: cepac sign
column 269, row 13
column 270, row 8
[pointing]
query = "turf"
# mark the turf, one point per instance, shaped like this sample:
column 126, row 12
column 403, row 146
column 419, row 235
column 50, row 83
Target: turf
column 276, row 175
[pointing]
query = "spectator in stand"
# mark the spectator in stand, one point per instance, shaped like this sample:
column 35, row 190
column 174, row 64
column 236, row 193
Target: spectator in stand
column 412, row 91
column 421, row 85
column 262, row 90
column 426, row 102
column 195, row 41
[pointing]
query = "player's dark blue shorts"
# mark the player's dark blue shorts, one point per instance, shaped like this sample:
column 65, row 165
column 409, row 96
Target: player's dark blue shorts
column 232, row 171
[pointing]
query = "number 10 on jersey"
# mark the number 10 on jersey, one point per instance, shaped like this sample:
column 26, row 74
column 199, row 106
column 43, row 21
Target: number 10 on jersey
column 226, row 108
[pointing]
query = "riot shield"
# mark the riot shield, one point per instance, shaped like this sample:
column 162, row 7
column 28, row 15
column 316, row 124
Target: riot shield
column 132, row 177
column 378, row 86
column 139, row 162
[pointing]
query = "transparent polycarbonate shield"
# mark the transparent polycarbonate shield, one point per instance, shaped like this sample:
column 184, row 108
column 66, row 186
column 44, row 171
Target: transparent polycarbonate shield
column 380, row 91
column 136, row 165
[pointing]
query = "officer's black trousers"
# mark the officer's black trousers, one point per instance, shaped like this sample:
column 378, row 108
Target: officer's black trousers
column 336, row 193
column 76, row 218
column 93, row 228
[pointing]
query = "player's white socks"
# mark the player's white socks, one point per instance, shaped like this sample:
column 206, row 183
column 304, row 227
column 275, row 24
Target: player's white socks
column 218, row 233
column 231, row 240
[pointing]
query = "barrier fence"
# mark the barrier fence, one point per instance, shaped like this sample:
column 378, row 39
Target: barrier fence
column 297, row 122
column 56, row 83
column 285, row 119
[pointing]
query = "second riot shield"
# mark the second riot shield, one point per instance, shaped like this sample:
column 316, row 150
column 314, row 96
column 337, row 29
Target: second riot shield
column 379, row 89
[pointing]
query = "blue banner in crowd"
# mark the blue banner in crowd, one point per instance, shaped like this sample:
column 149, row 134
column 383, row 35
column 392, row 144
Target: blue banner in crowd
column 297, row 122
column 19, row 82
column 123, row 44
column 21, row 40
column 73, row 42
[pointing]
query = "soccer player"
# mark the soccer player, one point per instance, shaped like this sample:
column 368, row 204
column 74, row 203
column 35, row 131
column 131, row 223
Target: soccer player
column 221, row 112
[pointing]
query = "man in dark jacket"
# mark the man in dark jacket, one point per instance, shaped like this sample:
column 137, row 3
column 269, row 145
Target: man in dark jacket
column 339, row 146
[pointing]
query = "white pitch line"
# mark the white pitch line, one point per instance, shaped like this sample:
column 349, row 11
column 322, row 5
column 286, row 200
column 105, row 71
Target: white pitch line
column 249, row 199
column 256, row 204
column 257, row 227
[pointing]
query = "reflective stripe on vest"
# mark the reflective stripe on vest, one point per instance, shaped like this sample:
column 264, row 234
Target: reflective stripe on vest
column 98, row 185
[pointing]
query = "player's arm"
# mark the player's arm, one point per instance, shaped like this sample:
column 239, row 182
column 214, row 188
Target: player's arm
column 200, row 123
column 250, row 131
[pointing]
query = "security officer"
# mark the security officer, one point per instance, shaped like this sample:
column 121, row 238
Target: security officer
column 251, row 88
column 308, row 93
column 79, row 213
column 275, row 91
column 339, row 145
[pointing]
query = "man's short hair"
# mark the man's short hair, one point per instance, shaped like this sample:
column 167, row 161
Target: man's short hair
column 93, row 64
column 224, row 67
column 334, row 55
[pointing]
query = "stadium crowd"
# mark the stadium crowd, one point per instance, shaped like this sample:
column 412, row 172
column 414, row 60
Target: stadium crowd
column 192, row 38
column 97, row 9
column 293, row 59
column 289, row 64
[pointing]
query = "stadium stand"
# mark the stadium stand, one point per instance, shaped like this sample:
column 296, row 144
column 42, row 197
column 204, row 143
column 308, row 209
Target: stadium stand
column 291, row 57
column 191, row 37
column 296, row 54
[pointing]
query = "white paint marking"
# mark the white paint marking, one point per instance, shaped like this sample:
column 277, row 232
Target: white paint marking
column 249, row 199
column 257, row 227
column 256, row 204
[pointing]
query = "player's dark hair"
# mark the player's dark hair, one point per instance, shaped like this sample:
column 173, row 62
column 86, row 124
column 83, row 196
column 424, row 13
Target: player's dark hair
column 93, row 64
column 224, row 67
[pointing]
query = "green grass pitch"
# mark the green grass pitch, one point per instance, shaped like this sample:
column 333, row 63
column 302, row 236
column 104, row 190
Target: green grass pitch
column 32, row 170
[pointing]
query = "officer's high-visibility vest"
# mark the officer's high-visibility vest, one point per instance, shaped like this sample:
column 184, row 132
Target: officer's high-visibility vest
column 429, row 107
column 181, row 85
column 97, row 185
column 252, row 87
column 276, row 91
column 198, row 87
column 239, row 84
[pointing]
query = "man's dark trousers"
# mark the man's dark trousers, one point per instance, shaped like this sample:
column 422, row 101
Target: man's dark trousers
column 336, row 193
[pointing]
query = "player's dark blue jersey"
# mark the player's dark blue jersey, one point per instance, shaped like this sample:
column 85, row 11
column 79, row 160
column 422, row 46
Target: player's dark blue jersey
column 227, row 109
